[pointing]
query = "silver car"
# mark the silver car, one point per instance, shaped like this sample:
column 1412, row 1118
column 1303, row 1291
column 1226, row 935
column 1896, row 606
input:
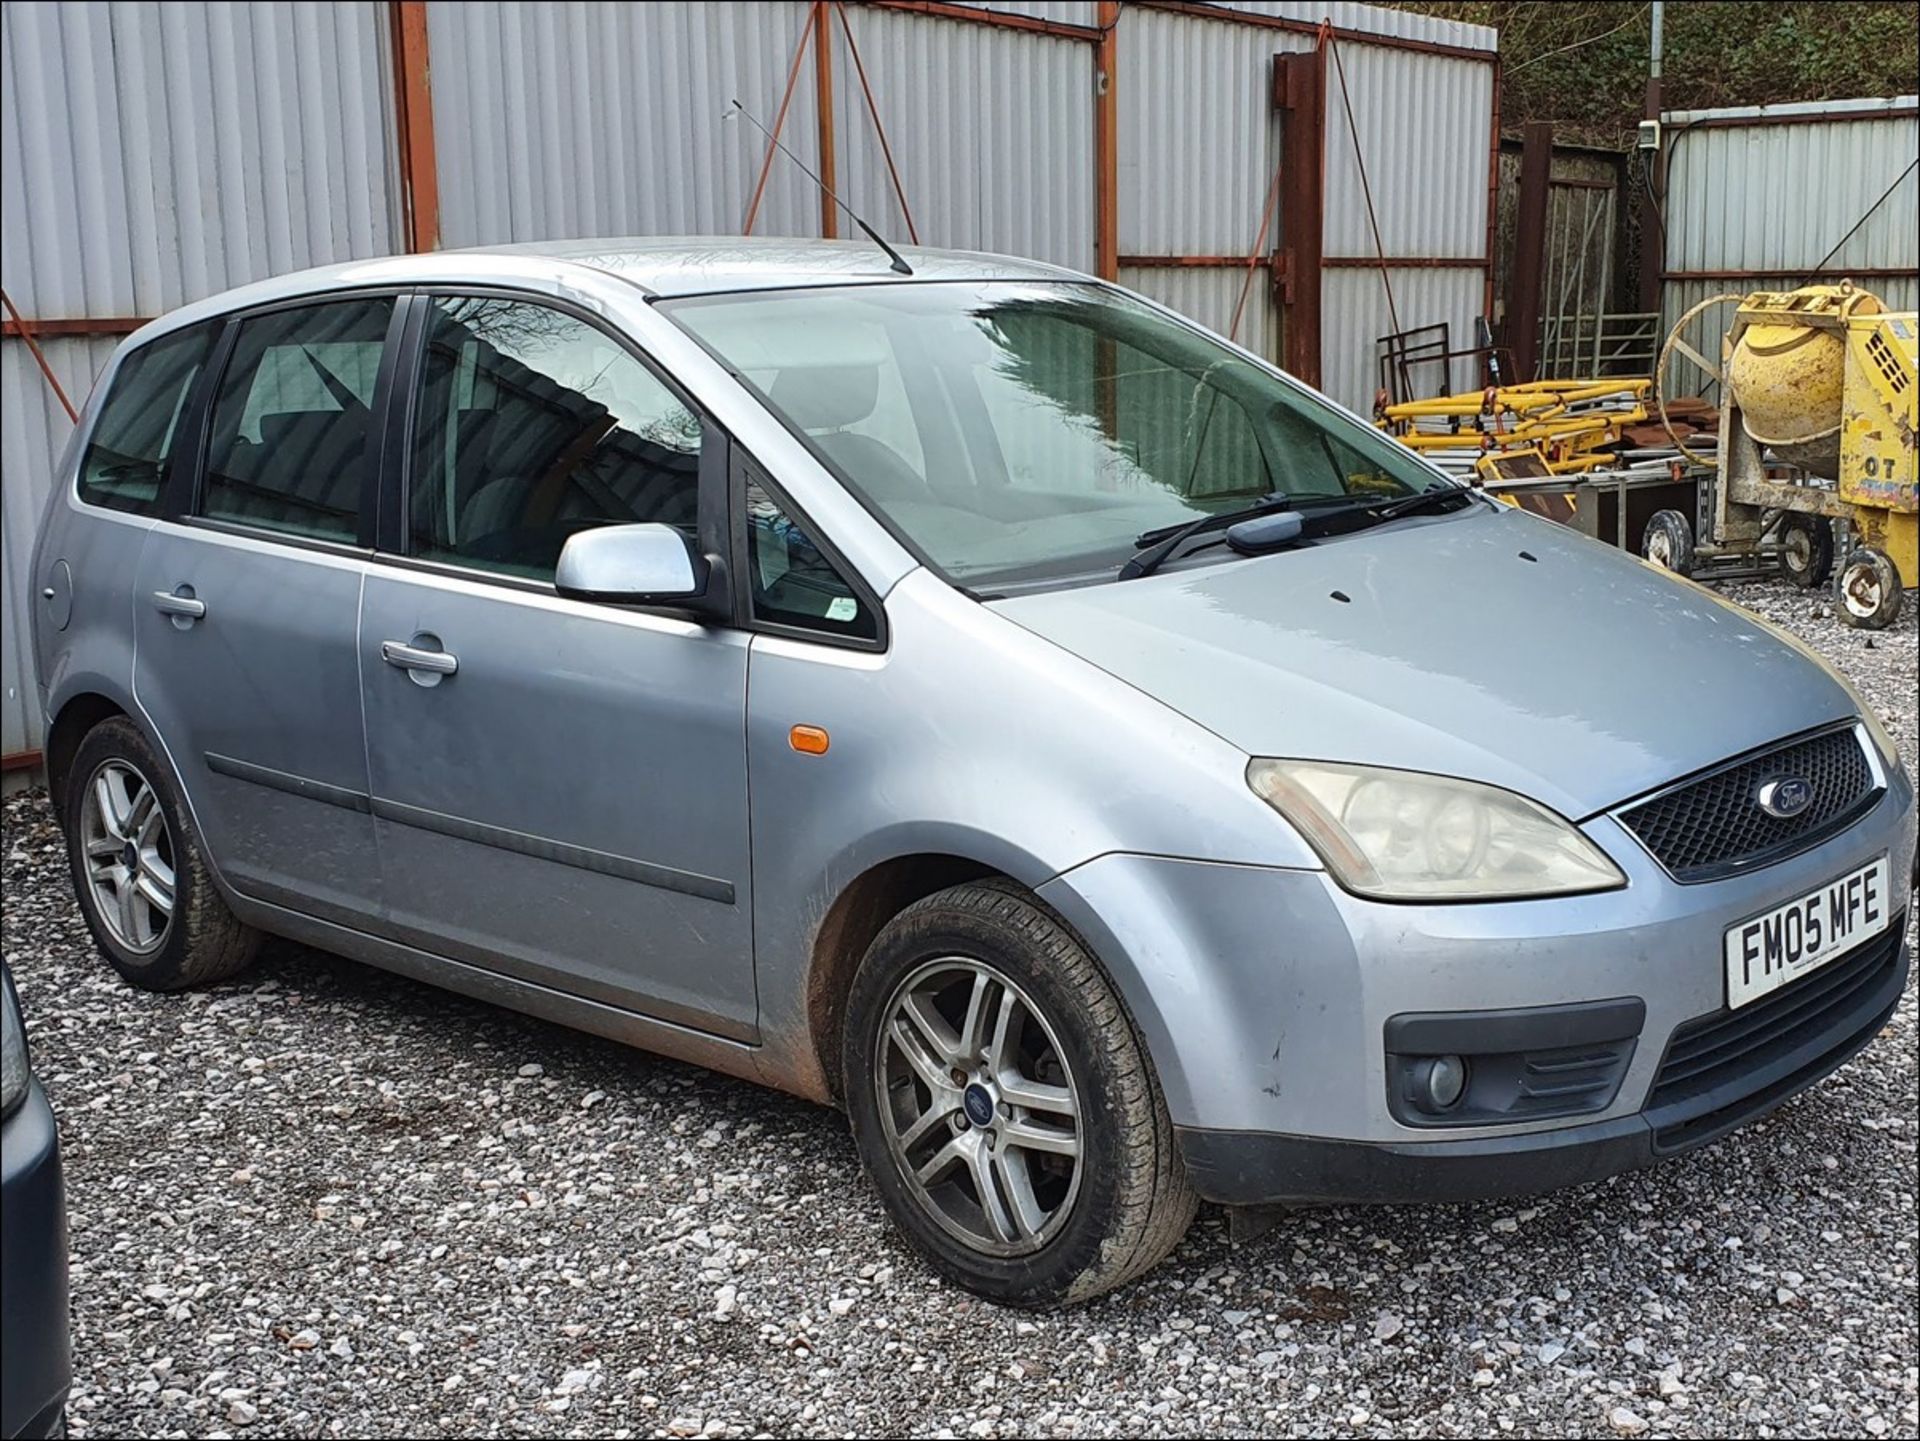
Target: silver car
column 976, row 697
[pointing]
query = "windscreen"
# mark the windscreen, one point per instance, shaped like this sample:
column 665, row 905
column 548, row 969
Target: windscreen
column 1025, row 432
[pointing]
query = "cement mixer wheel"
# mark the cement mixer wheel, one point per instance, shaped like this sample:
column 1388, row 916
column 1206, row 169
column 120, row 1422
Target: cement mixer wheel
column 1868, row 593
column 1668, row 542
column 1806, row 549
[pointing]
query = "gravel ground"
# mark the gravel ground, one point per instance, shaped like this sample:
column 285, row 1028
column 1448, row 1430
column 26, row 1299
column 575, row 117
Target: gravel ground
column 322, row 1200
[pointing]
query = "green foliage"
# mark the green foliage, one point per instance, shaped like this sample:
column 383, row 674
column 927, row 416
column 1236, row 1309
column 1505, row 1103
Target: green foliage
column 1717, row 52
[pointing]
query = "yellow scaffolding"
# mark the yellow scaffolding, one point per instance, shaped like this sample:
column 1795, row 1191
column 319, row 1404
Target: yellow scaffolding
column 1570, row 423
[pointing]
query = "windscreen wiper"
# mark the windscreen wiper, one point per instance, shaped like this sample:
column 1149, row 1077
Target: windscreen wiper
column 1157, row 545
column 1374, row 511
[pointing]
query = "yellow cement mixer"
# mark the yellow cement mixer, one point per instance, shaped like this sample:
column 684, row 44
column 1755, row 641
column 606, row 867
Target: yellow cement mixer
column 1821, row 379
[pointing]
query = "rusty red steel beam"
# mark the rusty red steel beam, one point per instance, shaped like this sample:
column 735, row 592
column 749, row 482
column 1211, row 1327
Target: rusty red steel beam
column 1327, row 262
column 20, row 761
column 1313, row 27
column 823, row 120
column 413, row 116
column 779, row 123
column 873, row 113
column 1106, row 143
column 1493, row 201
column 1529, row 249
column 973, row 15
column 26, row 329
column 39, row 357
column 1300, row 91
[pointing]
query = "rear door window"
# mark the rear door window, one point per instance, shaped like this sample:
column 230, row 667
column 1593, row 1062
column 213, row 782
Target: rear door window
column 131, row 449
column 292, row 433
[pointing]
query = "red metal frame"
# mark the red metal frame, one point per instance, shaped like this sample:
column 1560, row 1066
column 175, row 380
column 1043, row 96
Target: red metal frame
column 1493, row 195
column 1529, row 249
column 413, row 118
column 1327, row 262
column 873, row 113
column 972, row 15
column 1314, row 27
column 823, row 119
column 20, row 760
column 25, row 332
column 1300, row 89
column 1106, row 143
column 779, row 124
column 19, row 328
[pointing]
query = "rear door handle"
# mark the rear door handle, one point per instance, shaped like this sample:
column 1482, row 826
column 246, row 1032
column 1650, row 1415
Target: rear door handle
column 412, row 658
column 167, row 603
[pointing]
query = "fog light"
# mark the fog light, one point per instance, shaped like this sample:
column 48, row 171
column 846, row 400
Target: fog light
column 1438, row 1082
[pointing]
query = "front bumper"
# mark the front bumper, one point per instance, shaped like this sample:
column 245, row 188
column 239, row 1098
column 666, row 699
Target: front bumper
column 36, row 1361
column 1264, row 997
column 1246, row 1168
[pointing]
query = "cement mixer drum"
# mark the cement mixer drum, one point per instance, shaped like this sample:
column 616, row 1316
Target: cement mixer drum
column 1788, row 370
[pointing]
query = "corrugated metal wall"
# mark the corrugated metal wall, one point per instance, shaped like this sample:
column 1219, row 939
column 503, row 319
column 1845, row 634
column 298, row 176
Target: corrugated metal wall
column 1199, row 142
column 155, row 153
column 991, row 130
column 1772, row 198
column 151, row 155
column 566, row 120
column 1424, row 124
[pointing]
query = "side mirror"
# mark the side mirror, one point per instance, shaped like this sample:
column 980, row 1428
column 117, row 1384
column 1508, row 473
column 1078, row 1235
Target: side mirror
column 647, row 564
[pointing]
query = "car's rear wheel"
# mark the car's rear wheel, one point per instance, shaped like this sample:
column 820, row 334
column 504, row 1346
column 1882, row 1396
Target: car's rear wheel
column 138, row 869
column 1004, row 1104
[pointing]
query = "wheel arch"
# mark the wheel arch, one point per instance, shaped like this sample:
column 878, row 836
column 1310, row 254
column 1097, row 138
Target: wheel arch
column 77, row 715
column 857, row 914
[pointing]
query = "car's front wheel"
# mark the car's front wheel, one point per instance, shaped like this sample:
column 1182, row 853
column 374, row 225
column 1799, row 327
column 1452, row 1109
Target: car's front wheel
column 138, row 870
column 1004, row 1105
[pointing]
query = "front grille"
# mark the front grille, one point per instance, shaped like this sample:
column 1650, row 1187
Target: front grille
column 1714, row 826
column 1723, row 1068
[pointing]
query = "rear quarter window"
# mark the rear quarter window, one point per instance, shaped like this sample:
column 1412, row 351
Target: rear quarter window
column 131, row 449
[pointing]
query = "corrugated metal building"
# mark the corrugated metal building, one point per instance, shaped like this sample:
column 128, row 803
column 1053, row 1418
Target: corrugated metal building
column 155, row 153
column 1767, row 197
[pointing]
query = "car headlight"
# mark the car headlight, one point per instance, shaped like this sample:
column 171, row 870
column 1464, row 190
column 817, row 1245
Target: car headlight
column 1404, row 836
column 13, row 1051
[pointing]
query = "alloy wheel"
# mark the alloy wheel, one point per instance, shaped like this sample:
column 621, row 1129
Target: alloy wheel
column 979, row 1106
column 129, row 856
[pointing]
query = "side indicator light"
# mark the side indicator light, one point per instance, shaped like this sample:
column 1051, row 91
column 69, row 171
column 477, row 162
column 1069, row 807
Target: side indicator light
column 808, row 740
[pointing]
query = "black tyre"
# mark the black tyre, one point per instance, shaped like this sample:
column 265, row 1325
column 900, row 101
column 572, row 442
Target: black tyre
column 1004, row 1105
column 1867, row 591
column 1806, row 549
column 138, row 869
column 1668, row 542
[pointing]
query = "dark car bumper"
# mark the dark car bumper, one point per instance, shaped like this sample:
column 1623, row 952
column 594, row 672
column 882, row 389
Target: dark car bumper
column 36, row 1362
column 1249, row 1168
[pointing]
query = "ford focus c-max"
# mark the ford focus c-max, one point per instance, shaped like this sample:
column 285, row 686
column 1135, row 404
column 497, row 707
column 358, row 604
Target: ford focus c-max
column 977, row 697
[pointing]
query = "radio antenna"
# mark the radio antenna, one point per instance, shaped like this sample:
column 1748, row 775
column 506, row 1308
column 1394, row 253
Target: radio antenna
column 899, row 266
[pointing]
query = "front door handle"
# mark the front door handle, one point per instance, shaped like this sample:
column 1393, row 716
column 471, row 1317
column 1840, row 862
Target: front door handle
column 412, row 658
column 167, row 603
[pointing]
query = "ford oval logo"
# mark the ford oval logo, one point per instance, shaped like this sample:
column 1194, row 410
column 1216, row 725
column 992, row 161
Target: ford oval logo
column 1784, row 796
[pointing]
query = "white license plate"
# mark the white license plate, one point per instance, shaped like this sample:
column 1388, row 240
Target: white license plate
column 1767, row 951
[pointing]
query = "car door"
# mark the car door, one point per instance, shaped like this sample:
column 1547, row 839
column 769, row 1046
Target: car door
column 247, row 599
column 559, row 787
